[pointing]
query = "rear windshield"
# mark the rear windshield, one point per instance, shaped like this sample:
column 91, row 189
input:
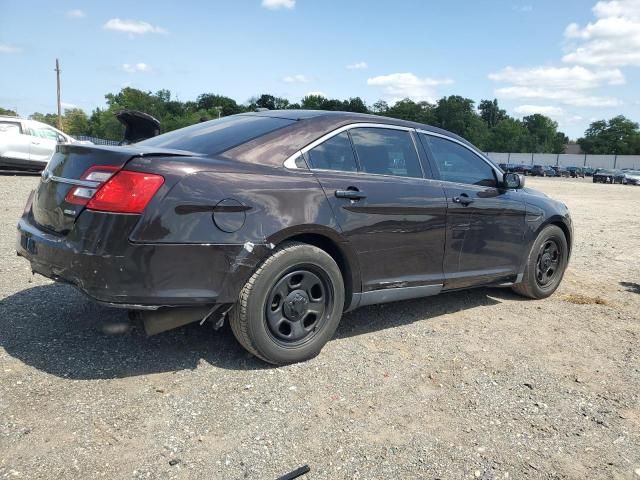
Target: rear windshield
column 216, row 136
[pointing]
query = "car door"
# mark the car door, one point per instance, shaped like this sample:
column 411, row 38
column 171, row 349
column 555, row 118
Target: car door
column 485, row 222
column 14, row 144
column 43, row 144
column 392, row 216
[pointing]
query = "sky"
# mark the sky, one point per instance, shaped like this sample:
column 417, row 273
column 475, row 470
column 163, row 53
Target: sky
column 574, row 60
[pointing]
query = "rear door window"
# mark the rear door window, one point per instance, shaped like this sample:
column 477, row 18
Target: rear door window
column 335, row 153
column 386, row 151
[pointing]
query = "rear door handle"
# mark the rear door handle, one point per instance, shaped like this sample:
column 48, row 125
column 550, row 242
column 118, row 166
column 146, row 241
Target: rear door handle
column 351, row 194
column 463, row 199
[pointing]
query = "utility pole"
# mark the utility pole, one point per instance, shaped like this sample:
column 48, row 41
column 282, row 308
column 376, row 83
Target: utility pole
column 59, row 104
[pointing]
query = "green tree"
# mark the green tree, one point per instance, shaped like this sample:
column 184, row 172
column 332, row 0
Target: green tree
column 457, row 114
column 355, row 104
column 210, row 102
column 509, row 135
column 48, row 118
column 618, row 136
column 76, row 122
column 6, row 111
column 407, row 109
column 266, row 101
column 543, row 134
column 380, row 107
column 491, row 113
column 313, row 102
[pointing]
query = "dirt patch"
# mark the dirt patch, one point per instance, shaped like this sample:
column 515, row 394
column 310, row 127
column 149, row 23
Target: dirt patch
column 580, row 299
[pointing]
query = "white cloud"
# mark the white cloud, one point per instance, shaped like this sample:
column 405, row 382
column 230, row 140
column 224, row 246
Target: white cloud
column 4, row 48
column 75, row 13
column 278, row 4
column 136, row 67
column 612, row 40
column 68, row 105
column 133, row 27
column 317, row 94
column 358, row 66
column 397, row 86
column 523, row 8
column 576, row 77
column 551, row 111
column 299, row 78
column 566, row 85
column 547, row 110
column 567, row 97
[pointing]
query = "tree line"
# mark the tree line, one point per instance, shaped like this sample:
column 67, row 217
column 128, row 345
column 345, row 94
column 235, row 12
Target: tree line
column 488, row 126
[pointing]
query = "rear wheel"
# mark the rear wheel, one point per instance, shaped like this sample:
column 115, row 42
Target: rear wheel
column 546, row 264
column 291, row 305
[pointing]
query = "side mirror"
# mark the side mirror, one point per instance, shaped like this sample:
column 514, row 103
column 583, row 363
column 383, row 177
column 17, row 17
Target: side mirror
column 513, row 180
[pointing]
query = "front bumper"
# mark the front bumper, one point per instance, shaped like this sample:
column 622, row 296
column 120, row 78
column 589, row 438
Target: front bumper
column 97, row 258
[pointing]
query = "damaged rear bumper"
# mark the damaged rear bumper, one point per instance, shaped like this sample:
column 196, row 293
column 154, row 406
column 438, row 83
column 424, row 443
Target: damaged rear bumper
column 98, row 259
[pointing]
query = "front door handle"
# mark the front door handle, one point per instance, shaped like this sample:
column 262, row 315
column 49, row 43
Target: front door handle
column 463, row 199
column 351, row 193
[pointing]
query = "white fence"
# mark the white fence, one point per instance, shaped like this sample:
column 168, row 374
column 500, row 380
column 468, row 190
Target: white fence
column 568, row 160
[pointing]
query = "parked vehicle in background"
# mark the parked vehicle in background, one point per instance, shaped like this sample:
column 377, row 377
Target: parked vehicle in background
column 286, row 219
column 543, row 171
column 576, row 172
column 606, row 175
column 631, row 177
column 516, row 168
column 561, row 171
column 27, row 145
column 588, row 171
column 524, row 169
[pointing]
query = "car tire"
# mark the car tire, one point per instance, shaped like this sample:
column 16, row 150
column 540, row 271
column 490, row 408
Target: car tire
column 546, row 264
column 273, row 318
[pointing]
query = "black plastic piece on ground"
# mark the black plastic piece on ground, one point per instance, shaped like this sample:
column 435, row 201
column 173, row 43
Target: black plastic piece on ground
column 297, row 473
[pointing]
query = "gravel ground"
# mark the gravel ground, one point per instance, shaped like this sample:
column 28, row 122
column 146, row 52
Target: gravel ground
column 476, row 384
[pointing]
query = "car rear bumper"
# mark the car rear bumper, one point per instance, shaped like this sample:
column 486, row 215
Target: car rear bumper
column 98, row 259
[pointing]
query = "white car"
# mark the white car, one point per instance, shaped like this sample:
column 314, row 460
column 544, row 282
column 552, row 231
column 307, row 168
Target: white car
column 28, row 144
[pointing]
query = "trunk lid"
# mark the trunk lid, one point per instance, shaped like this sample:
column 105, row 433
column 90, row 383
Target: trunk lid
column 64, row 172
column 138, row 126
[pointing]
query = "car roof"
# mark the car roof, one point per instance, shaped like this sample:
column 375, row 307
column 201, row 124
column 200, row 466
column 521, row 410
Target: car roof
column 309, row 125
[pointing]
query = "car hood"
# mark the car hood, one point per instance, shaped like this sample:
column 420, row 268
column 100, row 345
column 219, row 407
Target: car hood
column 535, row 193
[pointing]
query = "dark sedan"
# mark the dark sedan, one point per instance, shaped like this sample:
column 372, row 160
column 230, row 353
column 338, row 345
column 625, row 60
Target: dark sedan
column 561, row 171
column 542, row 171
column 606, row 175
column 280, row 221
column 576, row 172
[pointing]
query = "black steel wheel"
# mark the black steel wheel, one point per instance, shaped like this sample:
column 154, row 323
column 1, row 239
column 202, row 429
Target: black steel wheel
column 297, row 305
column 291, row 306
column 548, row 262
column 545, row 264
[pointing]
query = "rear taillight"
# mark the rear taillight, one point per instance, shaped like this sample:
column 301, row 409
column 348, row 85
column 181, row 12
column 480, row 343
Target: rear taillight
column 98, row 174
column 126, row 192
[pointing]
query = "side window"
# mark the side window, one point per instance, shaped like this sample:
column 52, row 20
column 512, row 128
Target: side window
column 12, row 128
column 334, row 154
column 456, row 163
column 386, row 151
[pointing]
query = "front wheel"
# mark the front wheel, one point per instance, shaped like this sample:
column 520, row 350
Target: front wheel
column 291, row 306
column 546, row 264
